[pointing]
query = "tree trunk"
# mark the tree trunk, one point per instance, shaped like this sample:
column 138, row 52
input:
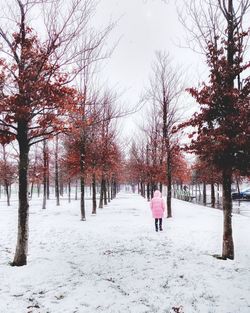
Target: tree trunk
column 44, row 175
column 148, row 192
column 112, row 189
column 212, row 196
column 105, row 192
column 228, row 245
column 61, row 187
column 218, row 193
column 82, row 174
column 204, row 194
column 82, row 202
column 69, row 189
column 93, row 193
column 76, row 190
column 142, row 189
column 152, row 189
column 20, row 257
column 6, row 185
column 169, row 179
column 108, row 186
column 101, row 194
column 116, row 188
column 38, row 190
column 237, row 185
column 57, row 192
column 47, row 174
column 31, row 189
column 47, row 179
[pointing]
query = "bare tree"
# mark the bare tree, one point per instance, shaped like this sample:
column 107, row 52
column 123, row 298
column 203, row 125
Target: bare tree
column 164, row 92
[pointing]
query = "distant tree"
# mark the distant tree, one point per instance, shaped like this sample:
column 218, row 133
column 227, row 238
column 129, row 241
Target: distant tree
column 107, row 140
column 136, row 167
column 94, row 159
column 164, row 92
column 35, row 172
column 206, row 173
column 8, row 172
column 181, row 169
column 152, row 151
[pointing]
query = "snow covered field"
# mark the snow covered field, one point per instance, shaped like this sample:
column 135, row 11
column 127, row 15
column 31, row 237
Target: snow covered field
column 116, row 263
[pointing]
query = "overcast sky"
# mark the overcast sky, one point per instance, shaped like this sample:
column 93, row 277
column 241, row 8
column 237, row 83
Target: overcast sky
column 143, row 27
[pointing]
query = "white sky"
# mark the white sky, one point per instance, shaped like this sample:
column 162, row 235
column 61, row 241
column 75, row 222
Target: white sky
column 144, row 26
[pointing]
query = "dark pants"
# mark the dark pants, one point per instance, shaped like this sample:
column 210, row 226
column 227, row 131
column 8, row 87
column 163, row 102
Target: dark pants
column 156, row 223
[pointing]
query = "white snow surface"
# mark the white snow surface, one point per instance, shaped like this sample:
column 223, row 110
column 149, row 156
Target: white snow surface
column 115, row 262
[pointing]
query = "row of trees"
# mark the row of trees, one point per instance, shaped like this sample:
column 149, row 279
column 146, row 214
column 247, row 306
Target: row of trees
column 222, row 126
column 56, row 163
column 46, row 92
column 156, row 159
column 219, row 133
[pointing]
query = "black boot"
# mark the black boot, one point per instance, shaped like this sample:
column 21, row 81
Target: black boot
column 160, row 224
column 156, row 224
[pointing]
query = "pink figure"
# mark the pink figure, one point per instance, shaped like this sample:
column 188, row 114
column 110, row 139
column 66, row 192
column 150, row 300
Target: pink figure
column 157, row 205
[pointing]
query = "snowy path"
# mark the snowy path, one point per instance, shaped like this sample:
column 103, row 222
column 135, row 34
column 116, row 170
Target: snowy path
column 115, row 262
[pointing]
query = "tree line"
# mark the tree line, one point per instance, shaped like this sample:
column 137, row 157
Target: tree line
column 50, row 98
column 219, row 132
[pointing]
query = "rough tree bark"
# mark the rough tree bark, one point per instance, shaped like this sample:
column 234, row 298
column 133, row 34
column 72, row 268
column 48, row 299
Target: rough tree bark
column 204, row 193
column 76, row 186
column 105, row 199
column 102, row 193
column 20, row 257
column 69, row 190
column 212, row 195
column 169, row 185
column 82, row 181
column 108, row 187
column 94, row 205
column 44, row 175
column 228, row 246
column 6, row 184
column 57, row 192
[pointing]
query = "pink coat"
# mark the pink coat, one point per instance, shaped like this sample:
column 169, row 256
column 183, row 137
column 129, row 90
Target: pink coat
column 157, row 205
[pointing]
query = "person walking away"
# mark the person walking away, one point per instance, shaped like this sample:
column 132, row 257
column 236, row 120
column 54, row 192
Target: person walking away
column 157, row 206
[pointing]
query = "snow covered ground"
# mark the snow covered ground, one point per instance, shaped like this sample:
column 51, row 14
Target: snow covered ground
column 116, row 263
